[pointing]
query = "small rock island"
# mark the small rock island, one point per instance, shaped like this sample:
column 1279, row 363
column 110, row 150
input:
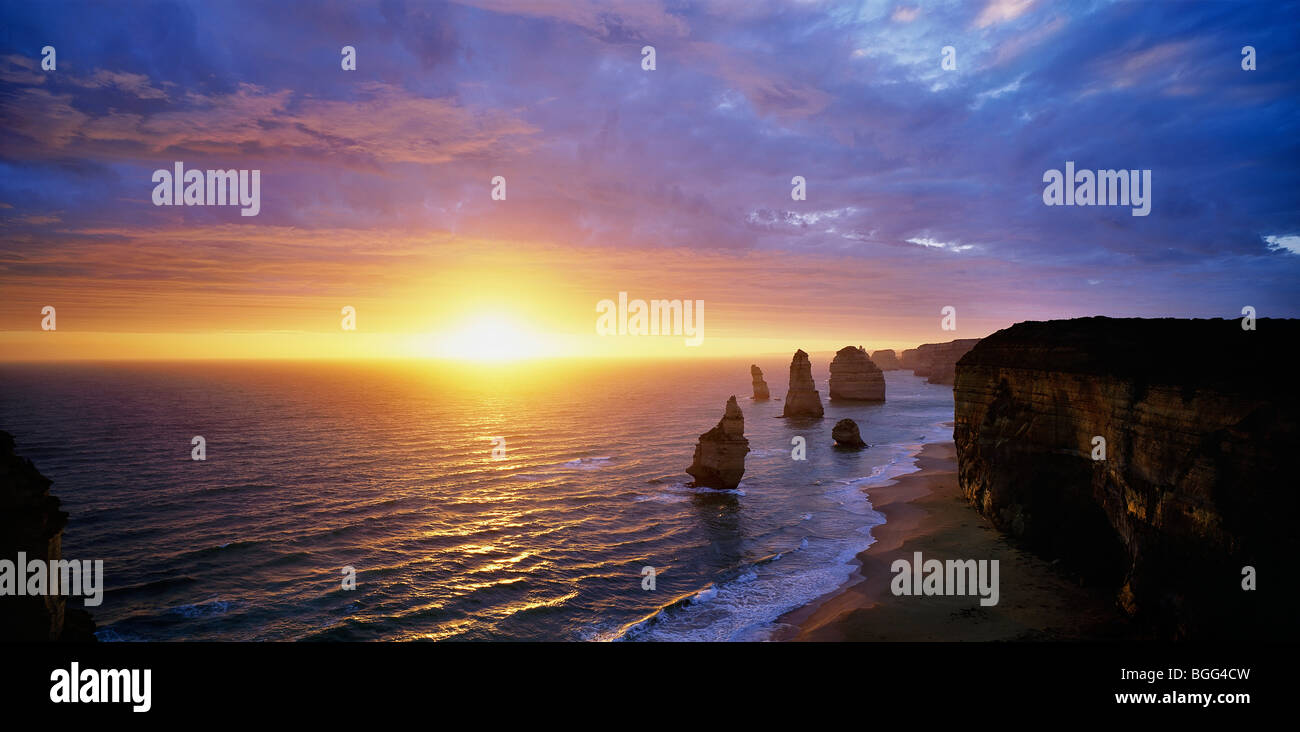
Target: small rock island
column 760, row 387
column 846, row 435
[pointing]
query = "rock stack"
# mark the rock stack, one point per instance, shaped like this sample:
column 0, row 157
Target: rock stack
column 802, row 400
column 720, row 454
column 855, row 378
column 31, row 523
column 886, row 360
column 845, row 433
column 760, row 386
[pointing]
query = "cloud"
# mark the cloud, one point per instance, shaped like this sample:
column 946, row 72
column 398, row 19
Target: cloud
column 1011, row 48
column 136, row 85
column 1284, row 243
column 40, row 115
column 20, row 70
column 926, row 241
column 645, row 19
column 1002, row 11
column 38, row 220
column 904, row 14
column 1008, row 88
column 384, row 124
column 910, row 184
column 771, row 92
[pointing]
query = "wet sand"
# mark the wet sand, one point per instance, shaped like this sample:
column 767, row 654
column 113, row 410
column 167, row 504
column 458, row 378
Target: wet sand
column 925, row 512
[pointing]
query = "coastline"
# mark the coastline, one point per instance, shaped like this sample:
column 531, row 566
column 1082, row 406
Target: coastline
column 925, row 512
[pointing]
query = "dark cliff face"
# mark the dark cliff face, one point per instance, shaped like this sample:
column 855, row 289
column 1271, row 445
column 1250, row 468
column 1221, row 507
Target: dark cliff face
column 1197, row 482
column 31, row 522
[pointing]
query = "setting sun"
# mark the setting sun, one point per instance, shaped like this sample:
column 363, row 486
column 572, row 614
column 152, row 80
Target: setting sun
column 492, row 337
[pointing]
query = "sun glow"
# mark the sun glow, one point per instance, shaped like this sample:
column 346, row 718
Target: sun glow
column 490, row 337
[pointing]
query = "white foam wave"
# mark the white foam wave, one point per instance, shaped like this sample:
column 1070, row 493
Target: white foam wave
column 681, row 492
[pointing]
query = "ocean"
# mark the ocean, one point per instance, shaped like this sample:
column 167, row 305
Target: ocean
column 389, row 469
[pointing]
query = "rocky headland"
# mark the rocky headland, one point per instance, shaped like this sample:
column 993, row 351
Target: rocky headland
column 1191, row 494
column 886, row 360
column 937, row 362
column 720, row 454
column 31, row 522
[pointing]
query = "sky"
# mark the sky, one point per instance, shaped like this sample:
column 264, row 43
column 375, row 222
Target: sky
column 924, row 184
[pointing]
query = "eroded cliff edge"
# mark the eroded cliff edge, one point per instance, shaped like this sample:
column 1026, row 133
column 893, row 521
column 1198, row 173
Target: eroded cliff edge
column 1198, row 479
column 31, row 522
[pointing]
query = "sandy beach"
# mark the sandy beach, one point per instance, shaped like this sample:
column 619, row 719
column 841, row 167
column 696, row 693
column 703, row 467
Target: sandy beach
column 925, row 512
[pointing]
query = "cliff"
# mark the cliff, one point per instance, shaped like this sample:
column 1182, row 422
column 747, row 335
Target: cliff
column 31, row 522
column 720, row 454
column 886, row 360
column 937, row 362
column 1197, row 483
column 910, row 359
column 760, row 386
column 802, row 400
column 855, row 378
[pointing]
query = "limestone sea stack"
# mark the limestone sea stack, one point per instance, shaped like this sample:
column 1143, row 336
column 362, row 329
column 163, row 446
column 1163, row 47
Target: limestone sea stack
column 1155, row 458
column 886, row 360
column 802, row 400
column 31, row 523
column 855, row 378
column 720, row 454
column 760, row 386
column 846, row 434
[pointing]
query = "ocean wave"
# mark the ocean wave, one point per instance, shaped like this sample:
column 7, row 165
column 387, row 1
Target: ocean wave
column 208, row 609
column 159, row 585
column 745, row 607
column 109, row 635
column 632, row 630
column 207, row 551
column 589, row 463
column 681, row 492
column 550, row 470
